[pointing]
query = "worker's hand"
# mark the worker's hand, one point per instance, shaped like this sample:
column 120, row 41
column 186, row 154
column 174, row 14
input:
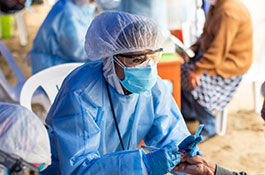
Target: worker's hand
column 163, row 160
column 194, row 80
column 195, row 165
column 189, row 144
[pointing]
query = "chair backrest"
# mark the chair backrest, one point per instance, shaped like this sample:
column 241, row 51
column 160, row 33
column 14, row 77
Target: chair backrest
column 11, row 92
column 49, row 79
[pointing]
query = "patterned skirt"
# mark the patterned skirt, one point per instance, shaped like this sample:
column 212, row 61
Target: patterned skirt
column 215, row 92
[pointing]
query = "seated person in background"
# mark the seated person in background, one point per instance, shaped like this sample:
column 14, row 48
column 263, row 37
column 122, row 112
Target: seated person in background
column 60, row 38
column 23, row 134
column 107, row 106
column 223, row 55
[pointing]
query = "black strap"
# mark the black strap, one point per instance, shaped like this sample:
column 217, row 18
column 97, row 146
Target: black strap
column 114, row 116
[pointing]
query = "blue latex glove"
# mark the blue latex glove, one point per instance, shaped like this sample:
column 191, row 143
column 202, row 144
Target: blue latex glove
column 190, row 144
column 163, row 160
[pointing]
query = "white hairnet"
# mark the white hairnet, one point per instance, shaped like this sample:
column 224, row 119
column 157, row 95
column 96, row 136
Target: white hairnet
column 112, row 33
column 22, row 133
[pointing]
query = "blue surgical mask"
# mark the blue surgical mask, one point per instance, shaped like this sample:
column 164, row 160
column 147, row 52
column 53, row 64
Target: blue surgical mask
column 88, row 9
column 138, row 80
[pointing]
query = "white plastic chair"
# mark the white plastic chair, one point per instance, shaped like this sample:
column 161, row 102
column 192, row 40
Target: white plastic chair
column 221, row 122
column 21, row 26
column 49, row 79
column 11, row 94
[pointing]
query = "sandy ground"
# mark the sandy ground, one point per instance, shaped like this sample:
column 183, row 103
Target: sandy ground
column 242, row 147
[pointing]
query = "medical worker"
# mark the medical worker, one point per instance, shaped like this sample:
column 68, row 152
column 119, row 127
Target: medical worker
column 60, row 38
column 106, row 107
column 22, row 135
column 153, row 9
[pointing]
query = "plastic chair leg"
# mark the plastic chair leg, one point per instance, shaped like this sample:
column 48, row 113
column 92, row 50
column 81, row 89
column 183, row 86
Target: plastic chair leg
column 22, row 31
column 257, row 96
column 221, row 122
column 51, row 2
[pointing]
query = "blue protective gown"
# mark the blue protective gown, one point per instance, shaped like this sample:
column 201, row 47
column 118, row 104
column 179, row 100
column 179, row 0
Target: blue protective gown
column 61, row 37
column 83, row 136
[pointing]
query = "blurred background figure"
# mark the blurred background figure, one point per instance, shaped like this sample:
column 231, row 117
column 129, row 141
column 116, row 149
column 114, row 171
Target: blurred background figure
column 223, row 55
column 186, row 19
column 186, row 15
column 22, row 135
column 255, row 75
column 60, row 38
column 263, row 107
column 154, row 9
column 11, row 5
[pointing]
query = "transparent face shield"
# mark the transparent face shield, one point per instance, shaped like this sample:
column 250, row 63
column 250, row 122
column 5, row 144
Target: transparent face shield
column 139, row 60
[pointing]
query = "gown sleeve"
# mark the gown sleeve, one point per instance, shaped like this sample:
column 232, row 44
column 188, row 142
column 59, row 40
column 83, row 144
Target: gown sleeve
column 71, row 30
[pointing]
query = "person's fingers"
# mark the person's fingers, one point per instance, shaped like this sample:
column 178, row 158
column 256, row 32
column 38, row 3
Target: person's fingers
column 194, row 80
column 198, row 81
column 183, row 158
column 186, row 156
column 197, row 159
column 192, row 83
column 180, row 167
column 187, row 168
